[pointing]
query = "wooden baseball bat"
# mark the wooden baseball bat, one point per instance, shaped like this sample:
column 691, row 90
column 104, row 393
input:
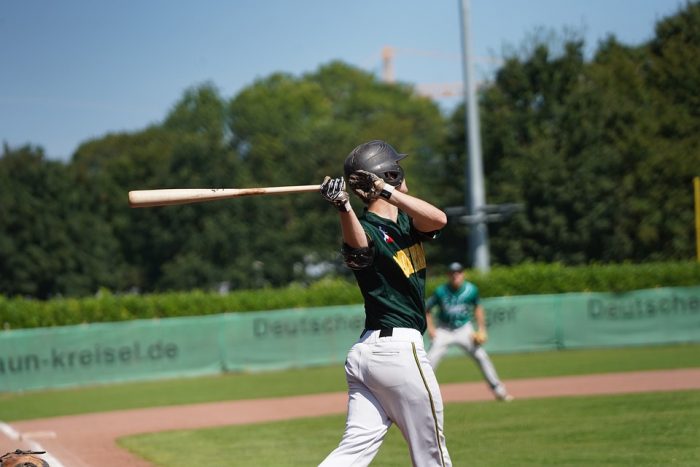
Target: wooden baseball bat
column 150, row 198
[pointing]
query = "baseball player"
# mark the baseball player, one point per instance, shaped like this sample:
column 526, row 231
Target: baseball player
column 389, row 377
column 458, row 306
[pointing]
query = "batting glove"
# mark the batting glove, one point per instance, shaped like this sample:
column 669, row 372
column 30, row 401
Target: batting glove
column 369, row 186
column 333, row 191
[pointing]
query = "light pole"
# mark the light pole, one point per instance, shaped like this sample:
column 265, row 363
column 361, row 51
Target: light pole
column 474, row 193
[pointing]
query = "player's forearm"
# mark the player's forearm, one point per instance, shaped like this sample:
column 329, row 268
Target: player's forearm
column 480, row 319
column 426, row 217
column 430, row 325
column 353, row 233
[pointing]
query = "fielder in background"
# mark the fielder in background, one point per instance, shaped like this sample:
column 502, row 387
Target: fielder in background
column 457, row 304
column 389, row 377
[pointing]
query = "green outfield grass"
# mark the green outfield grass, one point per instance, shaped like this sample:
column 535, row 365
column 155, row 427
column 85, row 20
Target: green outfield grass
column 22, row 406
column 623, row 430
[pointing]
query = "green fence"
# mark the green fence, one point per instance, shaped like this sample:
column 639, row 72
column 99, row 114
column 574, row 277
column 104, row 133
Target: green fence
column 580, row 320
column 152, row 349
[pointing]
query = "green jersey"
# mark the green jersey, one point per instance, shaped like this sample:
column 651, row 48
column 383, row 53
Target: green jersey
column 455, row 307
column 393, row 286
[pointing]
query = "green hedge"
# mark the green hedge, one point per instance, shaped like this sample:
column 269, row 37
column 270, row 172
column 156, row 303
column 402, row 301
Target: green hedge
column 532, row 279
column 521, row 280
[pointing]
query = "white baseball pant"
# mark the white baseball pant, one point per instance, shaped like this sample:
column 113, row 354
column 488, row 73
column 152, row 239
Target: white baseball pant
column 390, row 380
column 464, row 337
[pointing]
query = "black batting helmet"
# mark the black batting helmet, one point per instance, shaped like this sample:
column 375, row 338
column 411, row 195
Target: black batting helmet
column 377, row 157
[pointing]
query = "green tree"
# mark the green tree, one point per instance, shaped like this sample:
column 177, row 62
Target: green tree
column 51, row 243
column 601, row 153
column 171, row 247
column 673, row 73
column 543, row 148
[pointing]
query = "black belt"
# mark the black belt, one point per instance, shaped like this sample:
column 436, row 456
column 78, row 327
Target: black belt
column 383, row 332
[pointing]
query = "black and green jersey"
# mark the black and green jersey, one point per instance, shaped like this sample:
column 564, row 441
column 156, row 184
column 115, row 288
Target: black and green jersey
column 455, row 307
column 393, row 286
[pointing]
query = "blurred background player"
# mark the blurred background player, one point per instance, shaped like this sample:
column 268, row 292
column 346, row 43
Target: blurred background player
column 389, row 377
column 458, row 307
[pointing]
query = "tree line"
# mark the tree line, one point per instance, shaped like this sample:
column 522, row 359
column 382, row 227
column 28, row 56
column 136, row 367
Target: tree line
column 599, row 151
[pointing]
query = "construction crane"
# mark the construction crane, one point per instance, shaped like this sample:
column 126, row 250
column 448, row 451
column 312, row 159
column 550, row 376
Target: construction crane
column 433, row 90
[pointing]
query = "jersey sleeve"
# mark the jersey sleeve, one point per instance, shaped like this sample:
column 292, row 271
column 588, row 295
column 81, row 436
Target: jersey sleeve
column 424, row 236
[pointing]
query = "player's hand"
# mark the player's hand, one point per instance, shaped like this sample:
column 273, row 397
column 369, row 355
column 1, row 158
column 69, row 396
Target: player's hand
column 480, row 337
column 367, row 185
column 333, row 191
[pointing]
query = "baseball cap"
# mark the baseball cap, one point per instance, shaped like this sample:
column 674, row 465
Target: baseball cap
column 456, row 267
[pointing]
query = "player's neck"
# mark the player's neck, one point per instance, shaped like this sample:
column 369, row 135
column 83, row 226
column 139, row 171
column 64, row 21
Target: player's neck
column 383, row 209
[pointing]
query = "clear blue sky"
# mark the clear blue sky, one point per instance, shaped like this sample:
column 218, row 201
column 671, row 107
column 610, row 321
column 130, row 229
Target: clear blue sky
column 72, row 70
